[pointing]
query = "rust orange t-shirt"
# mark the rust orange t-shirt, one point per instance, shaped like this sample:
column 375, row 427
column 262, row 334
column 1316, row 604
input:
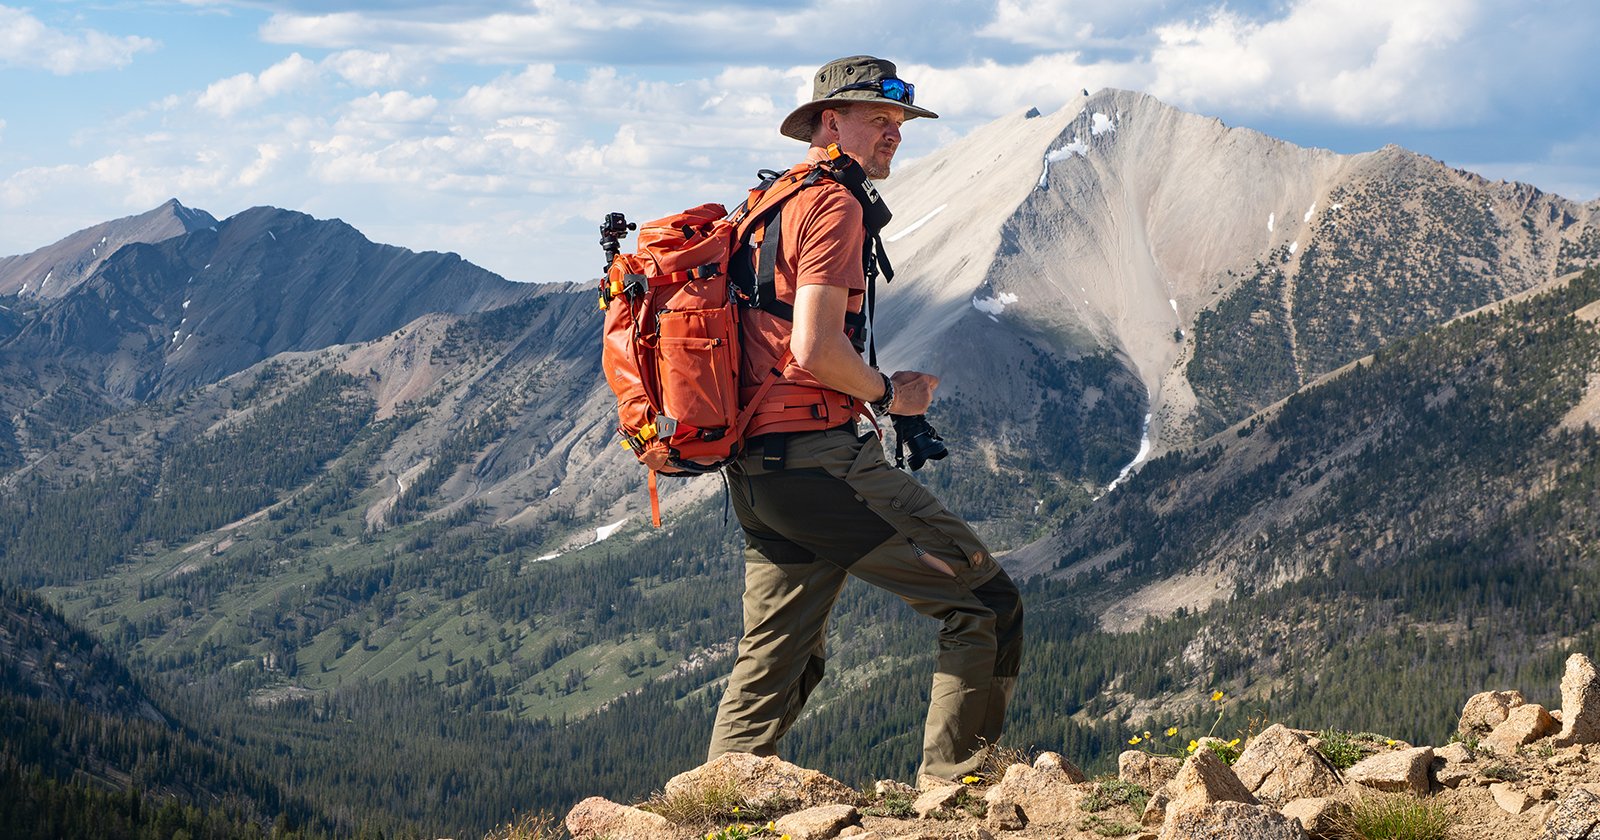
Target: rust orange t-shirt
column 822, row 244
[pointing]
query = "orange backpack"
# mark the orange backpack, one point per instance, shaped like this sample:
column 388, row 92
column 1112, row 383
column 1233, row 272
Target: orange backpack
column 672, row 346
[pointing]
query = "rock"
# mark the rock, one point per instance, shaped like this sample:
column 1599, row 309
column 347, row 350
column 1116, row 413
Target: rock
column 1204, row 779
column 1230, row 821
column 1042, row 796
column 1155, row 809
column 819, row 823
column 598, row 817
column 1050, row 762
column 1005, row 816
column 1401, row 771
column 1511, row 800
column 1452, row 764
column 885, row 787
column 1486, row 710
column 858, row 832
column 1278, row 766
column 1526, row 723
column 1576, row 817
column 933, row 799
column 1151, row 772
column 763, row 781
column 1580, row 703
column 1320, row 816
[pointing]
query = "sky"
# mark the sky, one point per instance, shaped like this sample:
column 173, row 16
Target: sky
column 505, row 131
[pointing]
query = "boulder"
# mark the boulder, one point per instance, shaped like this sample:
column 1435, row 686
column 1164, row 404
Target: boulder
column 1400, row 771
column 885, row 787
column 820, row 823
column 1005, row 816
column 1486, row 710
column 1278, row 766
column 1204, row 779
column 1524, row 725
column 1050, row 762
column 933, row 799
column 1229, row 820
column 1580, row 703
column 1046, row 797
column 598, row 817
column 1321, row 816
column 1155, row 809
column 763, row 781
column 1510, row 799
column 1576, row 817
column 1151, row 772
column 1453, row 764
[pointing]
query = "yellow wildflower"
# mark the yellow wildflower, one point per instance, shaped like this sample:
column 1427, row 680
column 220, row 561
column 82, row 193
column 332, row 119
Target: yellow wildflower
column 968, row 780
column 1193, row 745
column 1216, row 696
column 1171, row 731
column 1135, row 739
column 1234, row 743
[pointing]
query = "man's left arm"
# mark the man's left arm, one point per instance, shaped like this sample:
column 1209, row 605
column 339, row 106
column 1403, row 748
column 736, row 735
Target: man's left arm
column 822, row 348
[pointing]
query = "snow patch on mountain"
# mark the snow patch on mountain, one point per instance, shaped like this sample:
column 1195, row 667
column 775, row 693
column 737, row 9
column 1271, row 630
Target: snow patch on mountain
column 917, row 224
column 994, row 305
column 1075, row 147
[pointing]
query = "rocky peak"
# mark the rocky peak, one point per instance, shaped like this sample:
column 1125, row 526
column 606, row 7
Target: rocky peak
column 55, row 270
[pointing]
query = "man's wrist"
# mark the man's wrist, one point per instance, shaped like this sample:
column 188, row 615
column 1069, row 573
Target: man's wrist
column 880, row 406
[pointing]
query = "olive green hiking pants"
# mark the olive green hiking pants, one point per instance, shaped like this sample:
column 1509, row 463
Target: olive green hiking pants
column 837, row 508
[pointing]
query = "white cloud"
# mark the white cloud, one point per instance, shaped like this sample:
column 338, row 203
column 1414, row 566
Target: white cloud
column 27, row 42
column 236, row 93
column 368, row 69
column 2, row 131
column 1399, row 61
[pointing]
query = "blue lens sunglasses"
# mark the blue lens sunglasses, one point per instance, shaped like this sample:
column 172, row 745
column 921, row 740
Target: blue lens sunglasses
column 891, row 88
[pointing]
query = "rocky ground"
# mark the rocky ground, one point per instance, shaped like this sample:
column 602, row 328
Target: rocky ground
column 1517, row 771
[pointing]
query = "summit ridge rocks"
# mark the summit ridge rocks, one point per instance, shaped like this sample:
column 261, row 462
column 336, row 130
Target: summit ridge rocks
column 1280, row 787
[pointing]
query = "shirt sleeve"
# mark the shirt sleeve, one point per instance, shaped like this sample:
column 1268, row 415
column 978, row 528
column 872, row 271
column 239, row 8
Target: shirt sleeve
column 829, row 240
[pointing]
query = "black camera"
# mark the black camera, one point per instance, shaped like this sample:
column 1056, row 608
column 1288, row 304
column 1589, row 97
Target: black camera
column 612, row 231
column 914, row 432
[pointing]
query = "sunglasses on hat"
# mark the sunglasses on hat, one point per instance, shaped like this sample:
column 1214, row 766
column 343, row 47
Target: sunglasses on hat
column 891, row 88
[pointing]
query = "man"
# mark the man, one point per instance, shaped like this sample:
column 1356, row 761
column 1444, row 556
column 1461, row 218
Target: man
column 817, row 502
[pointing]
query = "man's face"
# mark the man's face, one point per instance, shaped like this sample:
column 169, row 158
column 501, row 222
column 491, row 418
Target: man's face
column 870, row 133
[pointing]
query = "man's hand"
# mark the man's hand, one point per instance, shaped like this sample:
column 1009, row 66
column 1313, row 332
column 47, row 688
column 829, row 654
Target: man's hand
column 913, row 391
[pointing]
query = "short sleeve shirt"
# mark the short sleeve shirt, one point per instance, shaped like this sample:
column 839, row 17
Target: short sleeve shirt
column 822, row 243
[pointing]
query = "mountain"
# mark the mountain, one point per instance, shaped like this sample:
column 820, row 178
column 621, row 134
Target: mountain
column 156, row 319
column 1219, row 268
column 55, row 270
column 87, row 752
column 364, row 510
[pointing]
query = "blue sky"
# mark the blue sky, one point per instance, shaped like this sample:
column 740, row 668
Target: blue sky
column 503, row 131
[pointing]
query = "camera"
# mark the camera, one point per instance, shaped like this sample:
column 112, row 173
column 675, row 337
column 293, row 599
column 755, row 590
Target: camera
column 612, row 231
column 914, row 432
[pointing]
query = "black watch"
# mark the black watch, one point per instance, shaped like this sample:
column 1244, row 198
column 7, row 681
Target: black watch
column 880, row 406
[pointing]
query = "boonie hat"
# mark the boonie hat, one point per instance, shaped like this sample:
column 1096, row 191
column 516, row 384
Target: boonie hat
column 859, row 78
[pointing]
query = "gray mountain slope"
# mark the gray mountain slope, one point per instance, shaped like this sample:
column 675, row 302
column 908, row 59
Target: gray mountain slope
column 56, row 269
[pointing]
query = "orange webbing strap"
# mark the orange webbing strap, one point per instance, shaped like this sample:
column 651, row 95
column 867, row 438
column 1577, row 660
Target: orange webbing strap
column 773, row 376
column 655, row 501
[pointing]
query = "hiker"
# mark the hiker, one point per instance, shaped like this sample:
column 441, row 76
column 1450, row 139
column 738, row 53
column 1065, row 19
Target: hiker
column 818, row 501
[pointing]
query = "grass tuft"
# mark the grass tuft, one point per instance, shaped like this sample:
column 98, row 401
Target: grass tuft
column 705, row 805
column 1394, row 818
column 533, row 826
column 1340, row 748
column 1111, row 792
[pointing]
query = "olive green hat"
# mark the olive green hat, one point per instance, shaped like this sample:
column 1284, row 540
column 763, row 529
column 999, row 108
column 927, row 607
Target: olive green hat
column 859, row 78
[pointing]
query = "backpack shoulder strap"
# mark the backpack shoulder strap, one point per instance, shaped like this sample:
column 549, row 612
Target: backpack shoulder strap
column 759, row 288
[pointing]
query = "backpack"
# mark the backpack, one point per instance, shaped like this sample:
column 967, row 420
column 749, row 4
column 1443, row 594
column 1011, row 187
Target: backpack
column 672, row 348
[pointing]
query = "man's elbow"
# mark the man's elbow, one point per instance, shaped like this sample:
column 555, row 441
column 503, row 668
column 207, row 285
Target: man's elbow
column 808, row 353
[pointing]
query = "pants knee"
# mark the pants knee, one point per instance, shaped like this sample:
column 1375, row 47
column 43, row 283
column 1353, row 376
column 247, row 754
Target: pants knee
column 1000, row 595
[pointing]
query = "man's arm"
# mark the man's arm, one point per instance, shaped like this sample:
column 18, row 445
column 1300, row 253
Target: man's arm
column 821, row 347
